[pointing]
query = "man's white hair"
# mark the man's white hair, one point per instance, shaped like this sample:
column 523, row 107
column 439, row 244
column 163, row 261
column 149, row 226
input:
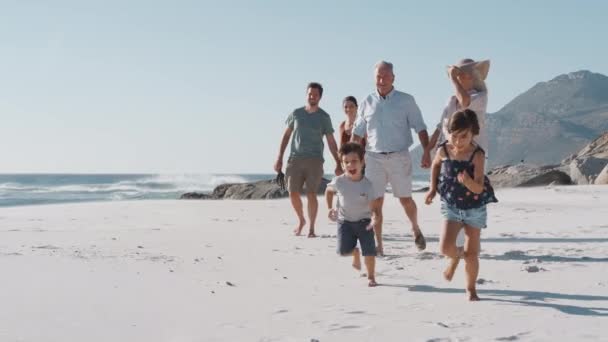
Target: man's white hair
column 385, row 64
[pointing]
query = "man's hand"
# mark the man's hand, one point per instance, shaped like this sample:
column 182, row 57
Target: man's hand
column 430, row 195
column 332, row 215
column 278, row 165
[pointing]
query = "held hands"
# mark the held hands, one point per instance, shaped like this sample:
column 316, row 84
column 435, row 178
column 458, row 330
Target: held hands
column 426, row 159
column 338, row 170
column 332, row 215
column 429, row 196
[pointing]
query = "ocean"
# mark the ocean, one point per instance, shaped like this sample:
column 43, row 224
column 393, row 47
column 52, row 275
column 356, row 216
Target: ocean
column 32, row 189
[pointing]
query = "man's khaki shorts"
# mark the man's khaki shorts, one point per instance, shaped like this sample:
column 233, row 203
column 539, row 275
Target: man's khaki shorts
column 304, row 175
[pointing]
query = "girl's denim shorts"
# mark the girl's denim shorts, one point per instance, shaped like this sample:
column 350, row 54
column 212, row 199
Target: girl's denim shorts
column 476, row 217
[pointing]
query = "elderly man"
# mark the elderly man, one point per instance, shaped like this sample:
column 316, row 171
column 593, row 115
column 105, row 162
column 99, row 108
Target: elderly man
column 387, row 117
column 309, row 125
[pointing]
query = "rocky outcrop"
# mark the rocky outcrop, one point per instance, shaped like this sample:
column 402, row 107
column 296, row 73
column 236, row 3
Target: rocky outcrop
column 602, row 178
column 586, row 165
column 265, row 189
column 528, row 175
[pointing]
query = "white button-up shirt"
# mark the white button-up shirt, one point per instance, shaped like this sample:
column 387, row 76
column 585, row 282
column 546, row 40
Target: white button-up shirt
column 388, row 121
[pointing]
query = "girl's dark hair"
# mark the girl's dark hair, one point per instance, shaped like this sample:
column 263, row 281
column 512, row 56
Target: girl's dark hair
column 351, row 147
column 464, row 119
column 350, row 99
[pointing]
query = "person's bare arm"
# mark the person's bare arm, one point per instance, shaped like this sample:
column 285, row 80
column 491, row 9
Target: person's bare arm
column 333, row 148
column 329, row 198
column 433, row 140
column 435, row 169
column 475, row 184
column 341, row 130
column 461, row 94
column 278, row 165
column 425, row 163
column 424, row 138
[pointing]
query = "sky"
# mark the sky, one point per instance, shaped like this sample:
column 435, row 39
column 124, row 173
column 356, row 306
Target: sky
column 205, row 86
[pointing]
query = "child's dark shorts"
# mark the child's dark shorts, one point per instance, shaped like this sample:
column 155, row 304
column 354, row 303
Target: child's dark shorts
column 348, row 234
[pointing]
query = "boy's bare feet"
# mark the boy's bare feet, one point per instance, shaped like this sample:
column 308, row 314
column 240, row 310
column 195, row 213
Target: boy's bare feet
column 356, row 259
column 311, row 234
column 372, row 283
column 472, row 294
column 299, row 227
column 448, row 274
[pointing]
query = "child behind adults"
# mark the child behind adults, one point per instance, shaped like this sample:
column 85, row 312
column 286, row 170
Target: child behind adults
column 353, row 210
column 457, row 173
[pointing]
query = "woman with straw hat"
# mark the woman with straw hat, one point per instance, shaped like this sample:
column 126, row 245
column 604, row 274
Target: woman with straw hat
column 468, row 78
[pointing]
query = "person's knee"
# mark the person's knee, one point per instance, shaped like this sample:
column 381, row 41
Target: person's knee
column 471, row 255
column 445, row 248
column 407, row 201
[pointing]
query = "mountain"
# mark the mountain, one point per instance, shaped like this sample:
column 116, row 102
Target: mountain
column 550, row 121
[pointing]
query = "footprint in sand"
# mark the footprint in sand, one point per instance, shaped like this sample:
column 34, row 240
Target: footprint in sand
column 46, row 247
column 533, row 269
column 344, row 327
column 512, row 337
column 359, row 312
column 482, row 281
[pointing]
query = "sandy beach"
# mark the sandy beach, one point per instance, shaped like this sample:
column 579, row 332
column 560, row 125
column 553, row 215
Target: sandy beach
column 233, row 271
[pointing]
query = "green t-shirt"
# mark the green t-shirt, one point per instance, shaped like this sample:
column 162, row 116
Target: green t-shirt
column 308, row 131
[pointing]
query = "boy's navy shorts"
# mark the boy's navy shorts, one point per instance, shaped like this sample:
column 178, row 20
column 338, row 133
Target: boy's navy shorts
column 348, row 234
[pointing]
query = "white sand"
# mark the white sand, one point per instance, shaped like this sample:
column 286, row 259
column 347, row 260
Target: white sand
column 158, row 271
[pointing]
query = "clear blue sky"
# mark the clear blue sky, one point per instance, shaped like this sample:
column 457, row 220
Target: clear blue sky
column 200, row 87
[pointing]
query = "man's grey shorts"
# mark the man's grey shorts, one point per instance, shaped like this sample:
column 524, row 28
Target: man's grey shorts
column 348, row 234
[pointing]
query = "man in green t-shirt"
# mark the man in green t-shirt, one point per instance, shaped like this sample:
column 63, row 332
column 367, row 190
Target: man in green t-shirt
column 305, row 162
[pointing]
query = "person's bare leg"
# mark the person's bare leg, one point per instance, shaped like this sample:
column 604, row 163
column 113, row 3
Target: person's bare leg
column 411, row 211
column 370, row 265
column 313, row 207
column 378, row 217
column 447, row 246
column 356, row 259
column 296, row 203
column 471, row 259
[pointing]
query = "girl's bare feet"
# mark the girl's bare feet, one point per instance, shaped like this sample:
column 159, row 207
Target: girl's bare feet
column 299, row 227
column 372, row 283
column 356, row 259
column 472, row 294
column 448, row 274
column 311, row 234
